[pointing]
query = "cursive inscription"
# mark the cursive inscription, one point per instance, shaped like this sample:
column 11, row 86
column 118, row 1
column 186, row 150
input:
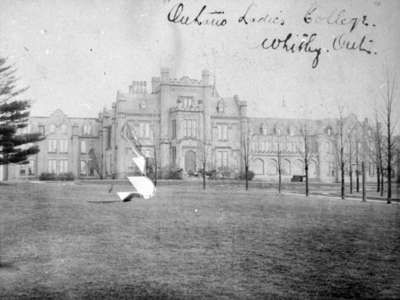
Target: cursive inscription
column 290, row 45
column 215, row 18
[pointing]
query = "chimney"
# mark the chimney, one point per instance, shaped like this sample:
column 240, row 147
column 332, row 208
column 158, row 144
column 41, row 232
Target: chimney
column 205, row 77
column 155, row 84
column 164, row 74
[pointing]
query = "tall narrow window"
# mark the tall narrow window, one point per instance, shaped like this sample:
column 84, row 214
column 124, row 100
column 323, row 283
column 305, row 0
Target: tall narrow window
column 63, row 166
column 63, row 146
column 190, row 128
column 173, row 155
column 52, row 146
column 83, row 147
column 173, row 129
column 223, row 132
column 52, row 166
column 222, row 159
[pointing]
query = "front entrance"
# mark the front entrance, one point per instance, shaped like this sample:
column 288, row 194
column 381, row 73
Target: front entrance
column 190, row 161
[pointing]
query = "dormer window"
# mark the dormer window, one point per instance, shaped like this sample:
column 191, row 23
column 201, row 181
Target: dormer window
column 185, row 102
column 329, row 131
column 87, row 129
column 263, row 129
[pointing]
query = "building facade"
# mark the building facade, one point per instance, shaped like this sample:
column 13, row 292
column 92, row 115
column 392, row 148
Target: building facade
column 181, row 123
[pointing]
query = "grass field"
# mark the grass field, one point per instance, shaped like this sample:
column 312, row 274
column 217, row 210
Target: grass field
column 189, row 244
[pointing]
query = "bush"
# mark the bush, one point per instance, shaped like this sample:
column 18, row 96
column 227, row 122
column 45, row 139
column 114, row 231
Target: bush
column 47, row 176
column 250, row 175
column 65, row 176
column 52, row 176
column 175, row 174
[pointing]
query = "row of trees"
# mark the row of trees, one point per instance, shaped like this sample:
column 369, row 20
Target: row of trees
column 16, row 146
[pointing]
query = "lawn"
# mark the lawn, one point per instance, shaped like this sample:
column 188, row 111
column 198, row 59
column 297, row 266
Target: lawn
column 189, row 244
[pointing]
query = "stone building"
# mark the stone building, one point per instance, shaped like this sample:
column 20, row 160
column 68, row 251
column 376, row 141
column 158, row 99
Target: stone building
column 179, row 123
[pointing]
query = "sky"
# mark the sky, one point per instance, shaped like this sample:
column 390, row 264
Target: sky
column 75, row 55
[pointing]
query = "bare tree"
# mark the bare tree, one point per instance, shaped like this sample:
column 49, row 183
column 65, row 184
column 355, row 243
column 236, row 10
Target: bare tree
column 357, row 144
column 279, row 161
column 245, row 147
column 378, row 149
column 305, row 151
column 204, row 148
column 351, row 152
column 388, row 104
column 341, row 148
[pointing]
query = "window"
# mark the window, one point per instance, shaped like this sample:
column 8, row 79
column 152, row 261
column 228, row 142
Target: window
column 173, row 129
column 83, row 168
column 187, row 102
column 52, row 146
column 222, row 159
column 64, row 128
column 108, row 137
column 52, row 166
column 87, row 129
column 41, row 129
column 63, row 146
column 52, row 128
column 83, row 147
column 263, row 129
column 190, row 128
column 223, row 132
column 22, row 171
column 173, row 155
column 144, row 130
column 31, row 170
column 63, row 166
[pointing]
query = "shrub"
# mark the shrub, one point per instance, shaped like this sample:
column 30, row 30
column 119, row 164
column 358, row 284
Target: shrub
column 47, row 176
column 65, row 176
column 175, row 173
column 250, row 175
column 52, row 176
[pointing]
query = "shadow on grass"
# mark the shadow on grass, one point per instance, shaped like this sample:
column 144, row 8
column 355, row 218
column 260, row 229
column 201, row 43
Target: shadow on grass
column 138, row 291
column 8, row 266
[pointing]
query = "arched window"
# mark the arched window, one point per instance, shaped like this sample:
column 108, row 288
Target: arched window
column 258, row 166
column 271, row 167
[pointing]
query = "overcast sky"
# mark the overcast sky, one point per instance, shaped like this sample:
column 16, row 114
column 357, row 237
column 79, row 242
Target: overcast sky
column 75, row 55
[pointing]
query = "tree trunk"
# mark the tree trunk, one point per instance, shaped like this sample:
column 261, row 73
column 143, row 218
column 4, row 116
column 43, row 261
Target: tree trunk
column 357, row 180
column 351, row 179
column 378, row 179
column 357, row 170
column 389, row 165
column 279, row 181
column 306, row 169
column 246, row 175
column 364, row 198
column 342, row 176
column 204, row 175
column 382, row 182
